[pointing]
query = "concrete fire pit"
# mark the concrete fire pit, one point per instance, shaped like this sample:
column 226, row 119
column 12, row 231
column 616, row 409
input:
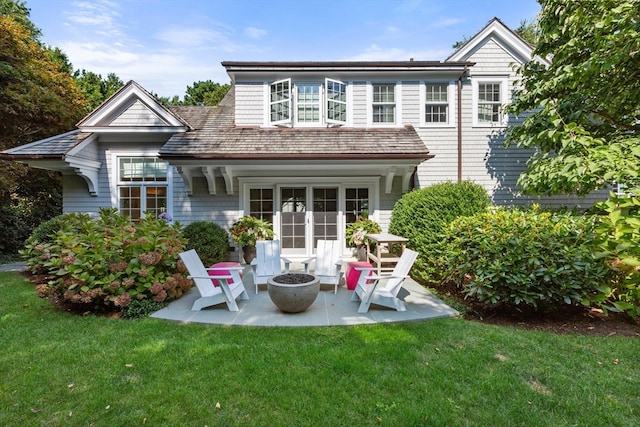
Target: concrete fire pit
column 293, row 292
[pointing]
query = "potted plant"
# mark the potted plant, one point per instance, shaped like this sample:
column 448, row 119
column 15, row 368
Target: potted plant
column 356, row 232
column 247, row 231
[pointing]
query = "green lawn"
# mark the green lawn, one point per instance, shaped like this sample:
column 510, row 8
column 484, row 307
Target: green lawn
column 60, row 369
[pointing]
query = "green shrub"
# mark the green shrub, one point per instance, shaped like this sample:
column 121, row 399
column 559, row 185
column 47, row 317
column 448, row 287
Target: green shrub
column 104, row 264
column 140, row 308
column 46, row 231
column 422, row 215
column 526, row 258
column 210, row 241
column 619, row 232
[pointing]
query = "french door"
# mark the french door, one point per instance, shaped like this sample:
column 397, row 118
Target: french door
column 307, row 214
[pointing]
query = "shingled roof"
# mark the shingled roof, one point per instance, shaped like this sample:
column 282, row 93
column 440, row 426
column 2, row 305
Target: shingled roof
column 216, row 137
column 55, row 147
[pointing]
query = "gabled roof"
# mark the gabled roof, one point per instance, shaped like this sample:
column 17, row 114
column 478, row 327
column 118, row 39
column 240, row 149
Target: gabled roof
column 501, row 34
column 133, row 109
column 218, row 138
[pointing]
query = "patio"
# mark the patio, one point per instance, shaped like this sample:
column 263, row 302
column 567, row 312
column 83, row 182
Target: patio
column 329, row 309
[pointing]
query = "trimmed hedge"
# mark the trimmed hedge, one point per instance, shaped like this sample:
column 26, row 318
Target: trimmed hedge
column 526, row 258
column 422, row 215
column 210, row 241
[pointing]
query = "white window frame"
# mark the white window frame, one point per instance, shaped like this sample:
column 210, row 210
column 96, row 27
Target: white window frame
column 451, row 111
column 116, row 182
column 372, row 103
column 288, row 100
column 296, row 116
column 475, row 84
column 329, row 101
column 398, row 103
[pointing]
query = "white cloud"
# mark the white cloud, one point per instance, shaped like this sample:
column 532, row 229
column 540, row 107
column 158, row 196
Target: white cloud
column 102, row 14
column 254, row 33
column 446, row 22
column 377, row 53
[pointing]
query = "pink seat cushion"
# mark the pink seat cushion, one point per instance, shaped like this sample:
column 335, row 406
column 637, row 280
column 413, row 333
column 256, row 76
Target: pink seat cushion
column 222, row 271
column 353, row 275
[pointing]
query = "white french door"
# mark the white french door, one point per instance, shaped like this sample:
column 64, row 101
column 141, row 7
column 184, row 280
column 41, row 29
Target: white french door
column 304, row 212
column 307, row 214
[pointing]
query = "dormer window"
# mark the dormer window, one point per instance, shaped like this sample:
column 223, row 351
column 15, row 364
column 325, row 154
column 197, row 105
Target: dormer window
column 336, row 101
column 280, row 102
column 307, row 103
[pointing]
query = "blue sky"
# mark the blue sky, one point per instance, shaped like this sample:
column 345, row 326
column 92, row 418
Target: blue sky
column 166, row 45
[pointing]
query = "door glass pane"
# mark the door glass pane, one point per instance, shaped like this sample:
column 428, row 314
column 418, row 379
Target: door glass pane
column 325, row 214
column 293, row 211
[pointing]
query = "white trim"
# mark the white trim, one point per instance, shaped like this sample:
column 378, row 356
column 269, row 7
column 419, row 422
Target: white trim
column 451, row 113
column 503, row 81
column 115, row 183
column 289, row 120
column 326, row 102
column 397, row 98
column 495, row 30
column 372, row 183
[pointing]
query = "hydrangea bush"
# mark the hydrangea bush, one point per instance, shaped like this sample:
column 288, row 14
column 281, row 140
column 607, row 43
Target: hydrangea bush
column 106, row 263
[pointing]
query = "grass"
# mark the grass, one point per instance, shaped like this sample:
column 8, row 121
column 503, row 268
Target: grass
column 60, row 369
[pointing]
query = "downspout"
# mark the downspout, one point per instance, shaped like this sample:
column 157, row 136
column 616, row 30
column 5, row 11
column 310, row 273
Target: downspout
column 460, row 123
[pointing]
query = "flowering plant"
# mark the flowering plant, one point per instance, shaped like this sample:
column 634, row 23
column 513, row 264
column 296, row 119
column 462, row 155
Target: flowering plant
column 165, row 216
column 248, row 229
column 355, row 232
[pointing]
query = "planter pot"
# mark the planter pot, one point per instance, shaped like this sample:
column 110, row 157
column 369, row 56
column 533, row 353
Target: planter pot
column 248, row 253
column 293, row 292
column 361, row 253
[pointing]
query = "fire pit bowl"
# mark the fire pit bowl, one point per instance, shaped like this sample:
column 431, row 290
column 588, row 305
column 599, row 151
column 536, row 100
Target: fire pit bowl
column 293, row 292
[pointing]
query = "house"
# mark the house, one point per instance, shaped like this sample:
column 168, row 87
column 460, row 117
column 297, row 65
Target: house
column 309, row 146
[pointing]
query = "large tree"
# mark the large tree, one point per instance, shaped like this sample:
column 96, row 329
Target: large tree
column 587, row 115
column 38, row 98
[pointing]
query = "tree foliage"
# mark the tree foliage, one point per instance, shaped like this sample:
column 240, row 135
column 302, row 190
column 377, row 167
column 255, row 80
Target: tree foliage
column 205, row 93
column 586, row 121
column 38, row 98
column 94, row 88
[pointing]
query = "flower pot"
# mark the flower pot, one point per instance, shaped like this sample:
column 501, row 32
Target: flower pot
column 361, row 253
column 248, row 253
column 293, row 292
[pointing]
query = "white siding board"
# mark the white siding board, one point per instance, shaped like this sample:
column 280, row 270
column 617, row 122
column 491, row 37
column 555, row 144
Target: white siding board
column 250, row 104
column 137, row 115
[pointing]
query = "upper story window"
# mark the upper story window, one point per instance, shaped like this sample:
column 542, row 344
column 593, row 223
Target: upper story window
column 280, row 101
column 384, row 103
column 336, row 101
column 436, row 103
column 314, row 104
column 142, row 186
column 308, row 103
column 488, row 100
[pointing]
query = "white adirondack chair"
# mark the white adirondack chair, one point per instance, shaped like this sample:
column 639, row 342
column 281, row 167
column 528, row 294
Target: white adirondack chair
column 370, row 291
column 230, row 284
column 268, row 262
column 328, row 263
